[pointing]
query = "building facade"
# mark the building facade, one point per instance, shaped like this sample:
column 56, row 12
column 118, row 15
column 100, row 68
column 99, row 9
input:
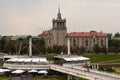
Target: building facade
column 58, row 36
column 55, row 36
column 88, row 39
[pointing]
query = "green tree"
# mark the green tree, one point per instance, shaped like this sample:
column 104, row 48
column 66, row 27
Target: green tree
column 42, row 49
column 109, row 36
column 57, row 49
column 114, row 45
column 2, row 43
column 103, row 49
column 49, row 50
column 96, row 48
column 117, row 34
column 9, row 47
column 39, row 42
column 82, row 49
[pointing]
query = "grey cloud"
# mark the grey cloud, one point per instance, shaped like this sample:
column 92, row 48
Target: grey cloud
column 34, row 16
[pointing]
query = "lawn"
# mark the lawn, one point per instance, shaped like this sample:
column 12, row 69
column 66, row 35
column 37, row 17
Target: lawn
column 55, row 78
column 38, row 78
column 103, row 57
column 1, row 62
column 4, row 78
column 49, row 78
column 82, row 79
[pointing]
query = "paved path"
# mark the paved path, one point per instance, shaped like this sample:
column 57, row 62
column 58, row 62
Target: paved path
column 74, row 70
column 79, row 72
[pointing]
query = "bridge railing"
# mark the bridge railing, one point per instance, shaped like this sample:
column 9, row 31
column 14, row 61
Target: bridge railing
column 26, row 66
column 98, row 72
column 94, row 71
column 73, row 72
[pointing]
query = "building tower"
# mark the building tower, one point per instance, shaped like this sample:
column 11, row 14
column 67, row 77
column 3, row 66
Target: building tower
column 59, row 30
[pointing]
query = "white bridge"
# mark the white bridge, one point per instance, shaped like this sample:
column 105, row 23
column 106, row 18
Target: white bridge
column 75, row 71
column 41, row 63
column 81, row 72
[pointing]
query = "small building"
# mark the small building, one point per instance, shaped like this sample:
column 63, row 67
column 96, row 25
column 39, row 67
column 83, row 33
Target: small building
column 26, row 63
column 71, row 60
column 116, row 38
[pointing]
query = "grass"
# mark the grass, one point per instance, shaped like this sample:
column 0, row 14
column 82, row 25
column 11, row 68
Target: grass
column 117, row 70
column 103, row 57
column 54, row 78
column 1, row 62
column 4, row 78
column 38, row 78
column 49, row 78
column 82, row 79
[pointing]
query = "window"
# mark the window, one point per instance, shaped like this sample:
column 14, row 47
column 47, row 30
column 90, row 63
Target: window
column 74, row 42
column 93, row 39
column 102, row 42
column 86, row 42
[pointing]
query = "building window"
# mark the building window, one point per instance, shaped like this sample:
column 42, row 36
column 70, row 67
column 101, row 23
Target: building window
column 74, row 42
column 102, row 42
column 86, row 43
column 94, row 40
column 60, row 23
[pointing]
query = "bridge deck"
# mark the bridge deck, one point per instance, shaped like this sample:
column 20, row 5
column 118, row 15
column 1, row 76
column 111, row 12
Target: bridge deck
column 79, row 72
column 75, row 70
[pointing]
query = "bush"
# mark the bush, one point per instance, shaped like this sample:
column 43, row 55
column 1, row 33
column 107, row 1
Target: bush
column 7, row 74
column 107, row 69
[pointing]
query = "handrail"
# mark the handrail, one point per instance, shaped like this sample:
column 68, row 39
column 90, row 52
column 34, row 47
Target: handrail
column 72, row 70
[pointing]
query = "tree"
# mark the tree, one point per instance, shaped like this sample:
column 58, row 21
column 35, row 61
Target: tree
column 96, row 48
column 82, row 49
column 109, row 36
column 103, row 49
column 49, row 50
column 73, row 49
column 2, row 43
column 42, row 49
column 114, row 46
column 117, row 34
column 57, row 49
column 9, row 47
column 39, row 42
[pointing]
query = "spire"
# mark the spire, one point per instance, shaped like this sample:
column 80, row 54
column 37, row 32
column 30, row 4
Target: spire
column 58, row 9
column 59, row 14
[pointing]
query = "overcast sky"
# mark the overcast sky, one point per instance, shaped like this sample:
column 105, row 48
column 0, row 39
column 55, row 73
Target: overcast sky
column 34, row 16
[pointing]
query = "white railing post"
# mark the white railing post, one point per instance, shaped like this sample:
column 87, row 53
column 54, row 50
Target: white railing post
column 30, row 46
column 69, row 46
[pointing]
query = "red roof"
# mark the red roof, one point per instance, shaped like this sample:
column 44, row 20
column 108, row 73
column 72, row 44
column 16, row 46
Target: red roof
column 47, row 32
column 86, row 34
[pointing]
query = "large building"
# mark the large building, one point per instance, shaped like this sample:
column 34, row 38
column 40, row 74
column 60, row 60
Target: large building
column 58, row 36
column 88, row 39
column 55, row 36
